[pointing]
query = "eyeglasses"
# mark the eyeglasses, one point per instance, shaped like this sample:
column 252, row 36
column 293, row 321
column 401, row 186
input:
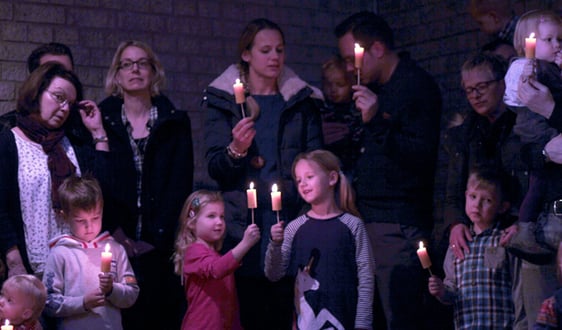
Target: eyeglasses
column 142, row 64
column 480, row 88
column 60, row 99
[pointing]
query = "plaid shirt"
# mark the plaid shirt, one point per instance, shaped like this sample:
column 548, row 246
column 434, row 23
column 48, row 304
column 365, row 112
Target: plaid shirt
column 508, row 31
column 479, row 286
column 138, row 147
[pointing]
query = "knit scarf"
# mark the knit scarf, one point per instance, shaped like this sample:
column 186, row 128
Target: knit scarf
column 59, row 165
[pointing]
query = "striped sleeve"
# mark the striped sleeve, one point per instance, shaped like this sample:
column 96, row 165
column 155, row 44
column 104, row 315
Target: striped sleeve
column 277, row 256
column 365, row 271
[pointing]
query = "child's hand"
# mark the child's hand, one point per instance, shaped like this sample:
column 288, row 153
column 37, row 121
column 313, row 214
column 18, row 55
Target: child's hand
column 252, row 235
column 106, row 283
column 93, row 299
column 528, row 69
column 436, row 287
column 558, row 59
column 277, row 232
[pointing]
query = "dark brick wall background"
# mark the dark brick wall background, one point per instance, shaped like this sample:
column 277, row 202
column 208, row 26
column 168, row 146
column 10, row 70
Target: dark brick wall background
column 196, row 40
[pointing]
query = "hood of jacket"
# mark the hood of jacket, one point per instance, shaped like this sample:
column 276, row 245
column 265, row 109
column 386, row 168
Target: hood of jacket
column 290, row 84
column 71, row 241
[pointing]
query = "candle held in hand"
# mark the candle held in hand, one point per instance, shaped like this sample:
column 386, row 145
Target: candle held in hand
column 530, row 46
column 252, row 197
column 359, row 51
column 7, row 326
column 106, row 257
column 275, row 198
column 239, row 92
column 424, row 257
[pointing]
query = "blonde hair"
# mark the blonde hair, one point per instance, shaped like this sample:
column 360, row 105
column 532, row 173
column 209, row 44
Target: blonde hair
column 188, row 218
column 112, row 87
column 330, row 162
column 32, row 288
column 528, row 23
column 335, row 63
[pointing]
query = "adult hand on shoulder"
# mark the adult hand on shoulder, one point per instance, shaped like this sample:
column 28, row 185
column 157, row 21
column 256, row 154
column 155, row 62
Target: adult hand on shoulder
column 243, row 134
column 508, row 233
column 554, row 149
column 365, row 101
column 458, row 238
column 14, row 263
column 536, row 97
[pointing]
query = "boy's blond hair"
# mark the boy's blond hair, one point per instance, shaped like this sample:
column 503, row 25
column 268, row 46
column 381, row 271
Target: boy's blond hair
column 80, row 193
column 528, row 23
column 32, row 288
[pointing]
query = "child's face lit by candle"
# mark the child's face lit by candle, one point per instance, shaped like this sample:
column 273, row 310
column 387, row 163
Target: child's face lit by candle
column 15, row 305
column 209, row 225
column 549, row 37
column 85, row 225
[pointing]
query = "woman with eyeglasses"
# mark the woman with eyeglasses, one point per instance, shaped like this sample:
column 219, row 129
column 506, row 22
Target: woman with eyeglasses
column 153, row 177
column 485, row 139
column 36, row 156
column 259, row 147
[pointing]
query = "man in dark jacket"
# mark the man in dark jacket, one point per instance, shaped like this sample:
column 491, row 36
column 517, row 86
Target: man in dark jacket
column 400, row 106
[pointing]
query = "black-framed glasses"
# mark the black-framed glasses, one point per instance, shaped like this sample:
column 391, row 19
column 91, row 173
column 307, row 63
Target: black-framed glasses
column 60, row 98
column 142, row 64
column 480, row 88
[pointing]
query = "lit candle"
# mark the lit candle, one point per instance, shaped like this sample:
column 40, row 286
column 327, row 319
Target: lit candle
column 358, row 56
column 424, row 257
column 7, row 326
column 530, row 45
column 239, row 92
column 275, row 198
column 106, row 257
column 252, row 197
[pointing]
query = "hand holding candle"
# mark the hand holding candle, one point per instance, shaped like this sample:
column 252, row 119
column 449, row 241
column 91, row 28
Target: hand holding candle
column 530, row 45
column 7, row 326
column 106, row 257
column 424, row 257
column 239, row 92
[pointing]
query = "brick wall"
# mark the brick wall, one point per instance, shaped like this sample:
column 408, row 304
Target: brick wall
column 196, row 40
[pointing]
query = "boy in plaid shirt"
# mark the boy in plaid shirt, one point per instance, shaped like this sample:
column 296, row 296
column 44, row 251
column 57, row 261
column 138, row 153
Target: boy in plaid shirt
column 479, row 286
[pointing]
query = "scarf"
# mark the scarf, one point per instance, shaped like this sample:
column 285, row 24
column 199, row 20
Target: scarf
column 59, row 165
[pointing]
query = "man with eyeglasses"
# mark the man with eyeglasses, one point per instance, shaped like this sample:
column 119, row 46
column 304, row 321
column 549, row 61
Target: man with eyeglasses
column 485, row 138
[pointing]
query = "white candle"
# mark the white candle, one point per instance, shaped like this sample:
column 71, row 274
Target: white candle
column 7, row 326
column 424, row 257
column 239, row 92
column 359, row 51
column 252, row 197
column 530, row 45
column 275, row 198
column 106, row 257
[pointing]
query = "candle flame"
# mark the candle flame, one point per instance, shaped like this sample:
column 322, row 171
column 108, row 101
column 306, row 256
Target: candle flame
column 237, row 81
column 7, row 322
column 532, row 35
column 421, row 245
column 106, row 247
column 252, row 185
column 274, row 187
column 357, row 46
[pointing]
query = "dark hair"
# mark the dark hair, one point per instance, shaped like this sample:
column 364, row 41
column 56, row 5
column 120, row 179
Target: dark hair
column 366, row 27
column 246, row 40
column 485, row 176
column 38, row 81
column 52, row 48
column 80, row 193
column 495, row 63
